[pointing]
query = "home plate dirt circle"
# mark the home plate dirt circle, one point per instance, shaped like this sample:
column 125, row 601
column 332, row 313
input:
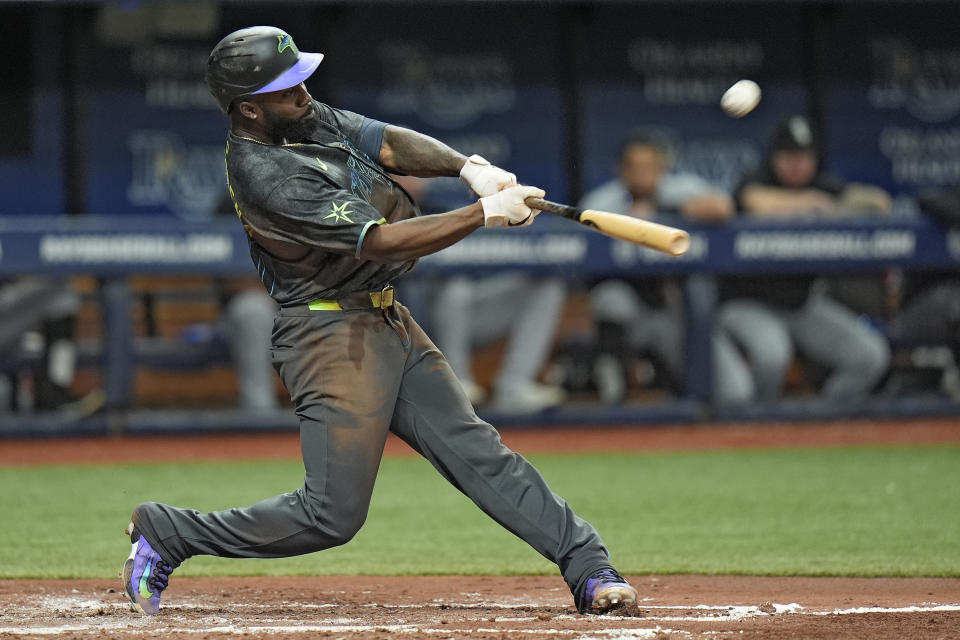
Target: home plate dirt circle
column 482, row 608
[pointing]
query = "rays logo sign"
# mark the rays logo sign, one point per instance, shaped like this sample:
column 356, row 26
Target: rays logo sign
column 286, row 42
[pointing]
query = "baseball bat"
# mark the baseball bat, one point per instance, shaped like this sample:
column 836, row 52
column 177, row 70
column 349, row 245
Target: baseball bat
column 643, row 232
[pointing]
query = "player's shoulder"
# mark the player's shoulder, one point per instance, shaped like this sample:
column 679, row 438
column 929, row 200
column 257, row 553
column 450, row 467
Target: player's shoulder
column 325, row 112
column 260, row 157
column 257, row 168
column 342, row 119
column 609, row 196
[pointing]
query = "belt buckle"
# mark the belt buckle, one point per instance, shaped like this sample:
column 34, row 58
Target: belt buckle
column 386, row 296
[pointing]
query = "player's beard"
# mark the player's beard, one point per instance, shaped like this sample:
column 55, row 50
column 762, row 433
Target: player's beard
column 291, row 129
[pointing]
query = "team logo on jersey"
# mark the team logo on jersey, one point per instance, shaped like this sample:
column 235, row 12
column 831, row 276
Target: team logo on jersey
column 340, row 213
column 286, row 42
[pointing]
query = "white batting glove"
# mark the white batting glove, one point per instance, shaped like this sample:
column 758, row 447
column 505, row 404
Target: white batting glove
column 507, row 208
column 484, row 178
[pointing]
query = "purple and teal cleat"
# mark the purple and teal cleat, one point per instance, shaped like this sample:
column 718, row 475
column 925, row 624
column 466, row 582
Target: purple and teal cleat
column 145, row 574
column 605, row 589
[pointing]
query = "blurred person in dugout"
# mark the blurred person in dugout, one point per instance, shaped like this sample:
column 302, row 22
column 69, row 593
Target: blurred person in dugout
column 247, row 318
column 763, row 320
column 646, row 315
column 469, row 313
column 39, row 313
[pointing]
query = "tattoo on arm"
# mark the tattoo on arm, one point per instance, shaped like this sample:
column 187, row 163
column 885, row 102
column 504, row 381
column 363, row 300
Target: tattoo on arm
column 417, row 154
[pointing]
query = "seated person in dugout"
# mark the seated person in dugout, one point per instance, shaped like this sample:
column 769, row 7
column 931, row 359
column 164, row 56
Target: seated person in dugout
column 469, row 312
column 764, row 320
column 645, row 315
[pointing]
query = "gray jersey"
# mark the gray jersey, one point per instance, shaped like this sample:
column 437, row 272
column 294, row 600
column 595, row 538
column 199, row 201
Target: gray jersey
column 307, row 206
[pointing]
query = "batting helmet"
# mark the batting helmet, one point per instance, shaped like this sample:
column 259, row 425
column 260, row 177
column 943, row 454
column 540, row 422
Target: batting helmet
column 256, row 60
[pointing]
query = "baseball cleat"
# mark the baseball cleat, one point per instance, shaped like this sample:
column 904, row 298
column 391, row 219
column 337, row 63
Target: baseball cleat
column 605, row 589
column 145, row 574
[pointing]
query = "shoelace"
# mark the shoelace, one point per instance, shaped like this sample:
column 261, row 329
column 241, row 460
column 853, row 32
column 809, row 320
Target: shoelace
column 160, row 576
column 607, row 575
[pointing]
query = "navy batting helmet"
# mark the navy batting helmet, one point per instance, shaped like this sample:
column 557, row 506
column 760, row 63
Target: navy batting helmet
column 256, row 60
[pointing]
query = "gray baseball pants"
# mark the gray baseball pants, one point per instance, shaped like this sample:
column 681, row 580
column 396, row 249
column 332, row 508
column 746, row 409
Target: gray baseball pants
column 354, row 376
column 825, row 330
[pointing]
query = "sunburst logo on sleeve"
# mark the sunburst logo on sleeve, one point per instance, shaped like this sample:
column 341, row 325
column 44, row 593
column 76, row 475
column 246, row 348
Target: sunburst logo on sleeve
column 340, row 213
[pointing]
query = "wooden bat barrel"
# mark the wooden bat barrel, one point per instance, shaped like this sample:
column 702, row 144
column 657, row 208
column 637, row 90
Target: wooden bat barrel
column 657, row 236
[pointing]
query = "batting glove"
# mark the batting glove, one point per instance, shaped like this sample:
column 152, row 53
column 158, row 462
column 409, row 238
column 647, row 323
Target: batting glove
column 484, row 178
column 507, row 208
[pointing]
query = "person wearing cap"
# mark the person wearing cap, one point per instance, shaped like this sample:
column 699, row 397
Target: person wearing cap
column 645, row 315
column 792, row 185
column 329, row 231
column 764, row 320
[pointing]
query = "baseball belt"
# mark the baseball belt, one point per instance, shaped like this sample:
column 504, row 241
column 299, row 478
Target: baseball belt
column 354, row 301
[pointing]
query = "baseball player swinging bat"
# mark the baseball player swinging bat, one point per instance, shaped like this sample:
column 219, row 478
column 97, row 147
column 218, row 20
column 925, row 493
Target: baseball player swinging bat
column 643, row 232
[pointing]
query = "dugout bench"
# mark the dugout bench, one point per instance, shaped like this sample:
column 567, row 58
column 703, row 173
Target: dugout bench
column 116, row 249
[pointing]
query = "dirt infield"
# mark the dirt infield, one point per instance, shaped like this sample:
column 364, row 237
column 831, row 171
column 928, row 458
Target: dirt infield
column 286, row 445
column 482, row 608
column 487, row 608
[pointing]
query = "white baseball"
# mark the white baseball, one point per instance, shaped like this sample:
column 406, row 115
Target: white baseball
column 741, row 98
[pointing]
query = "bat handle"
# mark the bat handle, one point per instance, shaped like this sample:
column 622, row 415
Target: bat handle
column 552, row 207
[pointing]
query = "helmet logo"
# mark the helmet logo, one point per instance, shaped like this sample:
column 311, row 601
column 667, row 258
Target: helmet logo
column 286, row 42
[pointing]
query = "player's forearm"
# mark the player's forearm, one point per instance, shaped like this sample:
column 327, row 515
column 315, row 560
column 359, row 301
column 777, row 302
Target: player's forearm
column 708, row 207
column 412, row 153
column 774, row 203
column 418, row 237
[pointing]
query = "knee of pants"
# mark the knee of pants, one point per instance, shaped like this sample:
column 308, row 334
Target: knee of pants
column 343, row 531
column 733, row 382
column 772, row 360
column 732, row 390
column 872, row 359
column 614, row 301
column 338, row 524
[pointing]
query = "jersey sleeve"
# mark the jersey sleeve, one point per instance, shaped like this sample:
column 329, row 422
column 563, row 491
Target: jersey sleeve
column 307, row 210
column 366, row 134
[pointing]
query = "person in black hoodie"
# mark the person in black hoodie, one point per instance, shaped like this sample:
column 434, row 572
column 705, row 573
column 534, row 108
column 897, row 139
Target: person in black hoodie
column 763, row 320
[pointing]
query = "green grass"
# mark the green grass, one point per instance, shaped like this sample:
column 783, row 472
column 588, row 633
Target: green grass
column 850, row 511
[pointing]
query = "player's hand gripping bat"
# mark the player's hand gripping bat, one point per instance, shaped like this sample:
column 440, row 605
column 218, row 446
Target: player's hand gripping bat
column 643, row 232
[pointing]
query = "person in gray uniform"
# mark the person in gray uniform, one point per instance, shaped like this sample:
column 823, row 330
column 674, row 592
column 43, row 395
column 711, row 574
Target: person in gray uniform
column 329, row 231
column 469, row 311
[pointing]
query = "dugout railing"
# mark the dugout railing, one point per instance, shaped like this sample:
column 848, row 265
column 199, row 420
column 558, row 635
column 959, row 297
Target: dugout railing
column 114, row 250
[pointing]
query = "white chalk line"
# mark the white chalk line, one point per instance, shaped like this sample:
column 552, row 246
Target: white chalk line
column 722, row 613
column 611, row 634
column 913, row 609
column 65, row 604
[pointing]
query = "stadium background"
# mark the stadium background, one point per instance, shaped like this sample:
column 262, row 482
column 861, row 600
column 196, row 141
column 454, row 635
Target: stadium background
column 113, row 115
column 111, row 172
column 109, row 116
